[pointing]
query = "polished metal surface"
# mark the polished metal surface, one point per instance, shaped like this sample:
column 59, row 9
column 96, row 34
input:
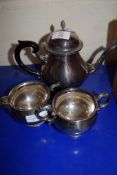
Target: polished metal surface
column 62, row 61
column 68, row 70
column 26, row 101
column 74, row 106
column 75, row 110
column 63, row 25
column 28, row 96
column 62, row 46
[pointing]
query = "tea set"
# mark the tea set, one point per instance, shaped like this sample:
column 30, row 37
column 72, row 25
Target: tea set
column 71, row 110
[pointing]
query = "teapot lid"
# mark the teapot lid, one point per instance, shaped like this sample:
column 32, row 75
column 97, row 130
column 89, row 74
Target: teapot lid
column 63, row 42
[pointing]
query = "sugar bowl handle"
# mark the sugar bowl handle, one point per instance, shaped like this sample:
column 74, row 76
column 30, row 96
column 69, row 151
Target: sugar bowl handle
column 4, row 100
column 43, row 114
column 103, row 99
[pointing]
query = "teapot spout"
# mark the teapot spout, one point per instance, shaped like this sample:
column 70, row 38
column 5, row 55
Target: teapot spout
column 92, row 67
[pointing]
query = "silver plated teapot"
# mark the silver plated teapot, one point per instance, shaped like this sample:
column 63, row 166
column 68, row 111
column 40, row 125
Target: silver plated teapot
column 62, row 63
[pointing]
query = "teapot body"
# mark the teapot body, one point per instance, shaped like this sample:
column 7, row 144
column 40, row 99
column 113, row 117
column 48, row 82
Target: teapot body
column 68, row 69
column 62, row 63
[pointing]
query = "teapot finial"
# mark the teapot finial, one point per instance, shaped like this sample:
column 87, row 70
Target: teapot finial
column 63, row 25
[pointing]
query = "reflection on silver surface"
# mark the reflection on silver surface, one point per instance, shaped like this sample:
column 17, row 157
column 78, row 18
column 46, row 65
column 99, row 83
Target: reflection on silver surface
column 29, row 96
column 74, row 105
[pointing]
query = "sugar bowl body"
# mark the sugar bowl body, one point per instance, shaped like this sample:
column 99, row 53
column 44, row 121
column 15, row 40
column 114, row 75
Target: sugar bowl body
column 75, row 110
column 25, row 101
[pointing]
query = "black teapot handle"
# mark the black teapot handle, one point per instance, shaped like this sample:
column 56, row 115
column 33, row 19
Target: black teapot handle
column 22, row 45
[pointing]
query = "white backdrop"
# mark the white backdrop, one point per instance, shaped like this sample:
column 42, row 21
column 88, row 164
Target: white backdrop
column 31, row 19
